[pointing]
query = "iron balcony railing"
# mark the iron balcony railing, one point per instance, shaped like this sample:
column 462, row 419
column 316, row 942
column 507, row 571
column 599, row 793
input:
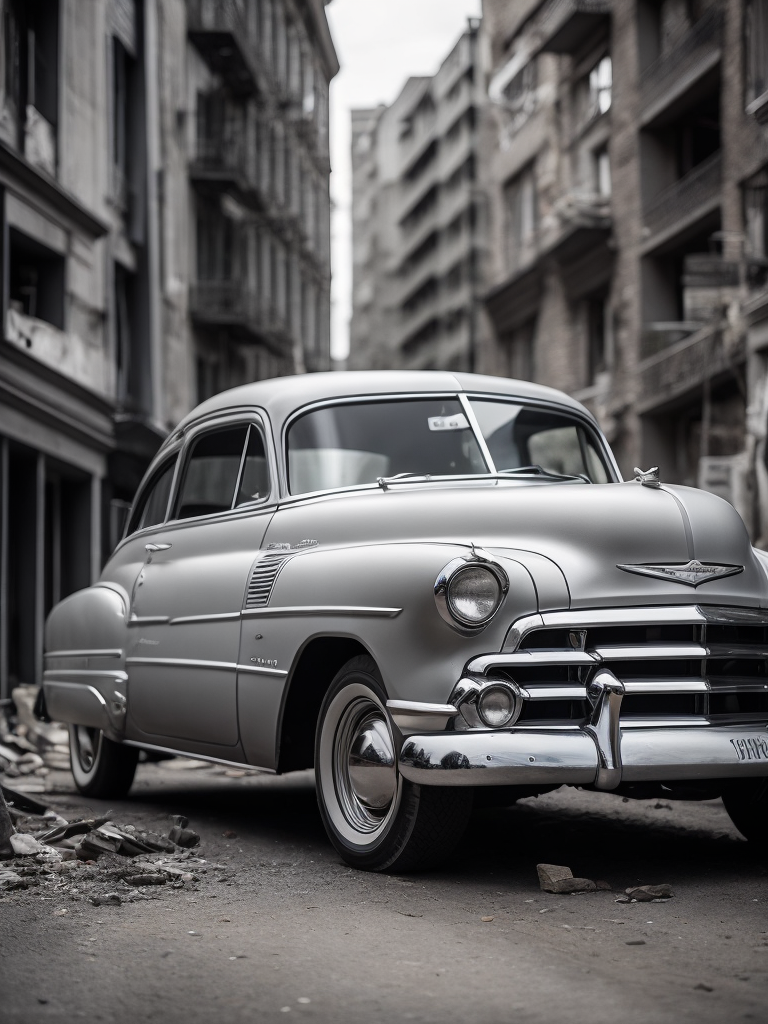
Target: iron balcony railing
column 695, row 190
column 693, row 55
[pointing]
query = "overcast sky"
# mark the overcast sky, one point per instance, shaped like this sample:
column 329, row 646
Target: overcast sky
column 380, row 43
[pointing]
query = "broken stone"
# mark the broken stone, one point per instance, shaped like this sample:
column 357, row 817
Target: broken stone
column 603, row 886
column 25, row 846
column 109, row 899
column 648, row 893
column 184, row 837
column 179, row 820
column 10, row 880
column 558, row 878
column 153, row 879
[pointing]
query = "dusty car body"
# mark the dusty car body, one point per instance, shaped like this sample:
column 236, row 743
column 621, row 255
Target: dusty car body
column 420, row 584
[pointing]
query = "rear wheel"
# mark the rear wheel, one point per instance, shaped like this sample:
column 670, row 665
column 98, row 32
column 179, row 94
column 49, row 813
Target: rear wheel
column 101, row 768
column 375, row 818
column 747, row 806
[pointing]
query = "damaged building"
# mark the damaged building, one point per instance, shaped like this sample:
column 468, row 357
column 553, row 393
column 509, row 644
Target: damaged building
column 165, row 217
column 418, row 221
column 626, row 169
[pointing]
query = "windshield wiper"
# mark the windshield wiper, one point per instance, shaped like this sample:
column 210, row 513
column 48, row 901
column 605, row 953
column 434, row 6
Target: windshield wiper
column 385, row 481
column 537, row 470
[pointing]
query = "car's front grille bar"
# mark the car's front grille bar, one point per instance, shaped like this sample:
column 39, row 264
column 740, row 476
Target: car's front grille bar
column 685, row 664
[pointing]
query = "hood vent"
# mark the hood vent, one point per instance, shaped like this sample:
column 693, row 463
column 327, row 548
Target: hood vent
column 263, row 576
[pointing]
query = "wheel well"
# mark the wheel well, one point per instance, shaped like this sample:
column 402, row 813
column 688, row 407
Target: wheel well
column 318, row 664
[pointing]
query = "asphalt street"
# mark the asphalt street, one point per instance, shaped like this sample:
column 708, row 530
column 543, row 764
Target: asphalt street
column 279, row 928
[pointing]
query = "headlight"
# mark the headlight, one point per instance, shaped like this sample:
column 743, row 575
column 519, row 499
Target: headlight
column 468, row 593
column 498, row 705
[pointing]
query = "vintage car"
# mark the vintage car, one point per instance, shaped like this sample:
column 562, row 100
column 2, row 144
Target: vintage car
column 422, row 585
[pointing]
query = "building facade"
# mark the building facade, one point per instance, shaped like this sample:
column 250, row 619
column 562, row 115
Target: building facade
column 626, row 167
column 417, row 221
column 164, row 234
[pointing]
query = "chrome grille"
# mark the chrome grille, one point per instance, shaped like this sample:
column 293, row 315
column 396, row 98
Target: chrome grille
column 686, row 665
column 263, row 576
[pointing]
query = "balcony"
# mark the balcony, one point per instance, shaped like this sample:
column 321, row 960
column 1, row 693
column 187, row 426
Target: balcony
column 683, row 366
column 686, row 201
column 692, row 62
column 583, row 221
column 231, row 304
column 220, row 162
column 219, row 30
column 565, row 24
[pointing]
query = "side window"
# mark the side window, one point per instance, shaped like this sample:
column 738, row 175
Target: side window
column 211, row 473
column 152, row 505
column 254, row 480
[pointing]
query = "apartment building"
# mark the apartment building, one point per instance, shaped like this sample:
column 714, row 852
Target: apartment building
column 417, row 221
column 627, row 175
column 164, row 233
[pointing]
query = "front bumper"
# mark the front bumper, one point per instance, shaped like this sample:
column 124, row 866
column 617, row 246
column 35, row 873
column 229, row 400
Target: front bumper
column 573, row 756
column 710, row 658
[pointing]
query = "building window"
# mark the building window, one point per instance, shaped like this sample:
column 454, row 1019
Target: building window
column 31, row 52
column 122, row 84
column 521, row 94
column 520, row 351
column 756, row 45
column 594, row 91
column 520, row 201
column 36, row 286
column 756, row 228
column 602, row 172
column 598, row 334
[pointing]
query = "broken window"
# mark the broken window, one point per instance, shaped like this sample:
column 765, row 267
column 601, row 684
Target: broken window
column 36, row 279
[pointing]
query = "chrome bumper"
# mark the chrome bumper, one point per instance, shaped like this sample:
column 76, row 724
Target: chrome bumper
column 574, row 756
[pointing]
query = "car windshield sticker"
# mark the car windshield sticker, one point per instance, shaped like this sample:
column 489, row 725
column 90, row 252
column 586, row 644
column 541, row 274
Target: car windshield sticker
column 456, row 422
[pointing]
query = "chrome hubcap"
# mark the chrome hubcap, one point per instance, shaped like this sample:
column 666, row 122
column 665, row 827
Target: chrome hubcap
column 87, row 743
column 364, row 768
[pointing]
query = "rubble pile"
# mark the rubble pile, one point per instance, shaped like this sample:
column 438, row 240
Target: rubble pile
column 93, row 858
column 29, row 746
column 557, row 878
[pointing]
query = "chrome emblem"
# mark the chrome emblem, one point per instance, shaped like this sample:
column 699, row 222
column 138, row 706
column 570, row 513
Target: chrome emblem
column 690, row 575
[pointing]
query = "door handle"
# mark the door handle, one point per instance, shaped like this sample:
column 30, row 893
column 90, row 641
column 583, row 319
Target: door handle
column 151, row 548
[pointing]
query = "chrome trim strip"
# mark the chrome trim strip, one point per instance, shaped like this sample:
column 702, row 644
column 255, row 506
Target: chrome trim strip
column 262, row 671
column 553, row 691
column 607, row 693
column 81, row 686
column 650, row 652
column 184, row 620
column 51, row 675
column 662, row 686
column 737, row 651
column 320, row 609
column 182, row 663
column 519, row 629
column 665, row 722
column 115, row 652
column 683, row 614
column 198, row 757
column 483, row 662
column 147, row 620
column 414, row 707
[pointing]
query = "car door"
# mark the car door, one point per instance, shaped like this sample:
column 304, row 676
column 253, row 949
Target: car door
column 186, row 604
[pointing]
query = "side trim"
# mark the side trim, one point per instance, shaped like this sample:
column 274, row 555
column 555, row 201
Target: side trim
column 198, row 757
column 147, row 620
column 95, row 653
column 51, row 675
column 183, row 620
column 324, row 609
column 182, row 663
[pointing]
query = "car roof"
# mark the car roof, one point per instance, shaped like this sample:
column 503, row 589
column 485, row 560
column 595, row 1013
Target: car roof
column 281, row 396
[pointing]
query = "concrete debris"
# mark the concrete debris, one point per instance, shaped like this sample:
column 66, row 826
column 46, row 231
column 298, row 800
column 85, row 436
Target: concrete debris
column 649, row 893
column 184, row 837
column 559, row 879
column 25, row 846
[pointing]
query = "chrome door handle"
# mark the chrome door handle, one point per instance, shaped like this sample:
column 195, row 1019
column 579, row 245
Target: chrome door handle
column 157, row 547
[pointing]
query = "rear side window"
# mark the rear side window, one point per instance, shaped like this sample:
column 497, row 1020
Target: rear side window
column 224, row 469
column 152, row 505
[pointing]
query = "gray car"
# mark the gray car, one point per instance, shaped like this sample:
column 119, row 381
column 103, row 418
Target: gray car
column 422, row 585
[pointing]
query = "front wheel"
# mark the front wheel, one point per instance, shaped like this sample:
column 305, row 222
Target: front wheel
column 376, row 819
column 747, row 804
column 101, row 768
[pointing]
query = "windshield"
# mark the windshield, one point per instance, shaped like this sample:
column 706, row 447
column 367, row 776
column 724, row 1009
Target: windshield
column 520, row 437
column 356, row 443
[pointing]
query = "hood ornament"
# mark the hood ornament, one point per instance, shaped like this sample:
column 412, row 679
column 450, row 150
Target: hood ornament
column 691, row 575
column 648, row 477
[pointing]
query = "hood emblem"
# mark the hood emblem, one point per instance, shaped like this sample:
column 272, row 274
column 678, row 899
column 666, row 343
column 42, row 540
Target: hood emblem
column 690, row 575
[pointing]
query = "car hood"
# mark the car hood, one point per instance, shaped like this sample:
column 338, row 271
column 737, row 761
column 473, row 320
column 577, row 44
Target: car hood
column 584, row 531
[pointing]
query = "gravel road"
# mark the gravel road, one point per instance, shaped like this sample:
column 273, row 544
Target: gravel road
column 278, row 927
